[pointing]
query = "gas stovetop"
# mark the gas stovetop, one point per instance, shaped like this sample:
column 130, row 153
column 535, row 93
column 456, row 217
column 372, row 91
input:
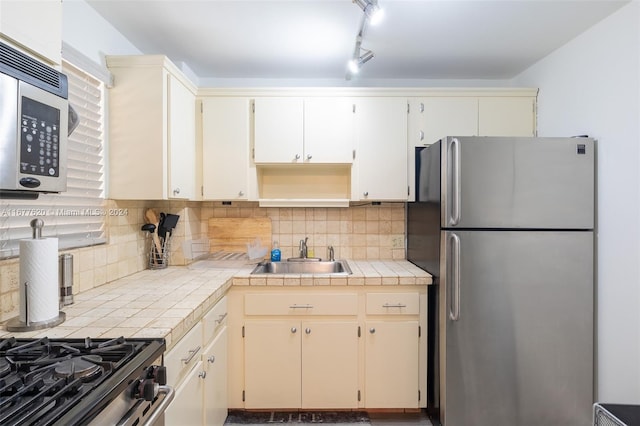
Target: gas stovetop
column 69, row 381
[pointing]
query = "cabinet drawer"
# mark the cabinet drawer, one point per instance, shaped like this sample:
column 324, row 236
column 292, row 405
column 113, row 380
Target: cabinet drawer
column 300, row 304
column 393, row 303
column 184, row 355
column 213, row 320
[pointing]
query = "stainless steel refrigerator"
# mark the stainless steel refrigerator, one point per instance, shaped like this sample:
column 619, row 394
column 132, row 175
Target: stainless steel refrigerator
column 506, row 226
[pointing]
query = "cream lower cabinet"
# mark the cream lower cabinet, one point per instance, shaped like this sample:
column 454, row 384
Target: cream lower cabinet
column 215, row 386
column 327, row 348
column 308, row 364
column 297, row 354
column 186, row 407
column 392, row 343
column 197, row 369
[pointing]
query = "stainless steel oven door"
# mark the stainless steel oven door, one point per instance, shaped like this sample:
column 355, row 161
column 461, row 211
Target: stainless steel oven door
column 125, row 411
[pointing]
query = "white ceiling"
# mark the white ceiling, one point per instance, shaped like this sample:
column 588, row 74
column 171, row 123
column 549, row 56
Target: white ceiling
column 314, row 39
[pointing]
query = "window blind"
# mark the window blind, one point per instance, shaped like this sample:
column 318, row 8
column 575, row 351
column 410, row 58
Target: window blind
column 78, row 216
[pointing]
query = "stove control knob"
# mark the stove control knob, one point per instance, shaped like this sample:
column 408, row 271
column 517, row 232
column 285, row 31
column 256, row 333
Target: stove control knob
column 160, row 374
column 147, row 389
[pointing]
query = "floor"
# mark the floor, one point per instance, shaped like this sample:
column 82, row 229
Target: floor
column 382, row 419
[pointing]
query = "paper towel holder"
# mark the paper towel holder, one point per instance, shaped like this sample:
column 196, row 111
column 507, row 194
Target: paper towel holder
column 16, row 324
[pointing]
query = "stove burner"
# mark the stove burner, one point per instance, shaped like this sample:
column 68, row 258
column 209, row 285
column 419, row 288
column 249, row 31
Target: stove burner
column 85, row 368
column 4, row 367
column 70, row 381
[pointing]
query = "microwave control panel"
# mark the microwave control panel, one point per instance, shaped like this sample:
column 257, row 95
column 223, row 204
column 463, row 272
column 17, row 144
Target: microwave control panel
column 39, row 138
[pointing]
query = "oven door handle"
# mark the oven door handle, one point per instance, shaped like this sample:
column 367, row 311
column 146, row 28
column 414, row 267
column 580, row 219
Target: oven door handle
column 160, row 408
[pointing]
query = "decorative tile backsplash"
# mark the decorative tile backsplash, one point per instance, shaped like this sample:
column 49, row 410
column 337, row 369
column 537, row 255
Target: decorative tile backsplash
column 358, row 232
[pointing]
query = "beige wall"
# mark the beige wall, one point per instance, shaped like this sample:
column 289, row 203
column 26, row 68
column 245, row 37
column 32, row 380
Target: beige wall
column 357, row 232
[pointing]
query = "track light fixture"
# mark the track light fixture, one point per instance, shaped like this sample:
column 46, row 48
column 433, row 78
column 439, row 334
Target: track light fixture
column 371, row 9
column 372, row 13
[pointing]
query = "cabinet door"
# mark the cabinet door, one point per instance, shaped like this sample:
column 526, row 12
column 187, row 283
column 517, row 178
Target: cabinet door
column 381, row 156
column 431, row 119
column 186, row 407
column 225, row 148
column 279, row 132
column 329, row 129
column 182, row 140
column 391, row 364
column 329, row 365
column 272, row 364
column 215, row 388
column 507, row 116
column 34, row 24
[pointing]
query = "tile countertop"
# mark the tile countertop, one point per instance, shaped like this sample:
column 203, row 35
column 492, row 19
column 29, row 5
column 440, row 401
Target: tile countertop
column 166, row 303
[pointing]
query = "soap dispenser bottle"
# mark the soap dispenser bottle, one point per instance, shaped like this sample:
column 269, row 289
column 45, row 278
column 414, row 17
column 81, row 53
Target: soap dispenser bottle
column 275, row 252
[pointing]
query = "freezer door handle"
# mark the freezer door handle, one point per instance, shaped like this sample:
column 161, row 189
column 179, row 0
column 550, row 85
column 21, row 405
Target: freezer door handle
column 454, row 277
column 454, row 167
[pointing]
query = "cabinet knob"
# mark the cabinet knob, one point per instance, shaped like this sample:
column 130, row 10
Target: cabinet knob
column 307, row 330
column 241, row 193
column 211, row 359
column 309, row 156
column 297, row 156
column 293, row 329
column 202, row 374
column 176, row 191
column 421, row 135
column 366, row 193
column 372, row 330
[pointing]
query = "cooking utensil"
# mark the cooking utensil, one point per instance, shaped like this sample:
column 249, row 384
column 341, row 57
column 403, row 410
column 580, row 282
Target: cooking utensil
column 151, row 217
column 150, row 227
column 169, row 223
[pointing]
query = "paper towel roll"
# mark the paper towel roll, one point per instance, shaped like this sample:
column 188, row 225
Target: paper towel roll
column 39, row 270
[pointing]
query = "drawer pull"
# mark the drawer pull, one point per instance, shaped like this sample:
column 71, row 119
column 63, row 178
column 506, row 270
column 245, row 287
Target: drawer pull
column 202, row 374
column 192, row 353
column 211, row 359
column 301, row 306
column 221, row 318
column 391, row 305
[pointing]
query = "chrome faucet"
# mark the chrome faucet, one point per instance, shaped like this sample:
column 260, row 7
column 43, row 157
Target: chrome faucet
column 331, row 254
column 303, row 248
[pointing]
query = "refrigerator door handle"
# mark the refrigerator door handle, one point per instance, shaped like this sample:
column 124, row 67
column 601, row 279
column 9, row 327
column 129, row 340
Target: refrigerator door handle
column 454, row 148
column 454, row 280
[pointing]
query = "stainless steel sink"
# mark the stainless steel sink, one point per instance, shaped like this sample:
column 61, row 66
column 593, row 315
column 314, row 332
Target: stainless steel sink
column 335, row 267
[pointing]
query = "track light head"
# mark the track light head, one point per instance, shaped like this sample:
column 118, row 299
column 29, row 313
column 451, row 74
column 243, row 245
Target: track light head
column 356, row 63
column 371, row 9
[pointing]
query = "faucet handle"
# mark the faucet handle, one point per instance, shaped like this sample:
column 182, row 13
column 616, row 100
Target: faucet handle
column 331, row 254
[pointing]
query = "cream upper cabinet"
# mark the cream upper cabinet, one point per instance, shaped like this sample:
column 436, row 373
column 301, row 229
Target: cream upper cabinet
column 430, row 119
column 507, row 116
column 227, row 169
column 380, row 167
column 152, row 130
column 300, row 130
column 35, row 25
column 182, row 138
column 279, row 130
column 329, row 126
